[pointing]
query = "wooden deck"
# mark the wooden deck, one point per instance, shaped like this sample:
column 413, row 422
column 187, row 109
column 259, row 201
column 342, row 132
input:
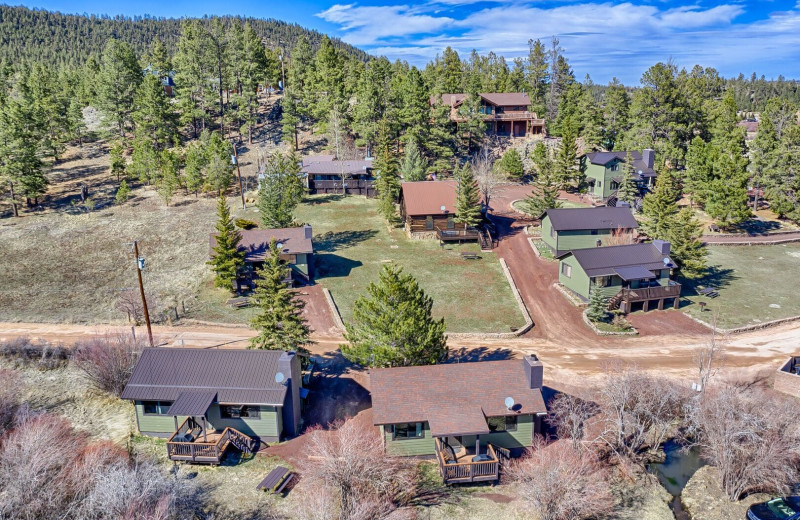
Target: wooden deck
column 626, row 297
column 457, row 235
column 209, row 448
column 463, row 470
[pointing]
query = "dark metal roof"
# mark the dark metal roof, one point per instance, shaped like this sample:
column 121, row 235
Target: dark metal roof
column 605, row 261
column 337, row 167
column 450, row 397
column 635, row 272
column 255, row 242
column 603, row 158
column 573, row 219
column 194, row 404
column 236, row 376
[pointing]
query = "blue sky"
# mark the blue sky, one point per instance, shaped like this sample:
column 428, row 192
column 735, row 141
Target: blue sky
column 602, row 38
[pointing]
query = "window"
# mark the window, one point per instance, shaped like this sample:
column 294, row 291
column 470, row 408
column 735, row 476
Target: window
column 614, row 167
column 239, row 412
column 599, row 184
column 566, row 270
column 156, row 407
column 405, row 431
column 450, row 223
column 429, row 223
column 593, row 232
column 614, row 185
column 502, row 424
column 552, row 232
column 602, row 281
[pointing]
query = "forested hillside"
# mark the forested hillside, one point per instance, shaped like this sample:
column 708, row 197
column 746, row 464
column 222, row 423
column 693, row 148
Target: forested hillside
column 66, row 39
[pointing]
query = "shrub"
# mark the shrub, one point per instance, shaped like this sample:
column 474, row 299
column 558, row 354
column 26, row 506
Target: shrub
column 35, row 351
column 243, row 223
column 123, row 193
column 557, row 482
column 129, row 302
column 9, row 397
column 108, row 360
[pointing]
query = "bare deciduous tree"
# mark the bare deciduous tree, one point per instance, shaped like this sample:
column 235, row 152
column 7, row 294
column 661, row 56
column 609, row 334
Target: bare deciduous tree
column 350, row 467
column 710, row 358
column 10, row 390
column 486, row 175
column 129, row 303
column 751, row 437
column 568, row 414
column 108, row 360
column 558, row 482
column 619, row 237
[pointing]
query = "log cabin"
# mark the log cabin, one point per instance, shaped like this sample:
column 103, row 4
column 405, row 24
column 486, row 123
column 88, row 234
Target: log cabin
column 468, row 416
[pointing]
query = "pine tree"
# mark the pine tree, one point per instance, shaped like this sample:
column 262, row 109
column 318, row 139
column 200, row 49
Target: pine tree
column 686, row 247
column 544, row 196
column 566, row 171
column 123, row 193
column 537, row 75
column 280, row 190
column 628, row 188
column 290, row 119
column 468, row 203
column 227, row 259
column 279, row 323
column 168, row 182
column 413, row 166
column 660, row 207
column 388, row 182
column 153, row 113
column 616, row 110
column 393, row 325
column 540, row 158
column 511, row 164
column 119, row 78
column 597, row 309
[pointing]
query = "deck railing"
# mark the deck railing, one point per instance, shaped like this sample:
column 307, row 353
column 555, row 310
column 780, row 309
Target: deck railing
column 673, row 290
column 457, row 234
column 207, row 452
column 457, row 472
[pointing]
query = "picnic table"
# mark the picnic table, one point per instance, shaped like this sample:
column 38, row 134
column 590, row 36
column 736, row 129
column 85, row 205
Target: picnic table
column 709, row 292
column 470, row 256
column 237, row 303
column 277, row 479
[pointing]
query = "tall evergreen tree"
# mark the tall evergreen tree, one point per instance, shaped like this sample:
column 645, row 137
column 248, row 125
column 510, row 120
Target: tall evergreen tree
column 544, row 195
column 393, row 324
column 597, row 310
column 687, row 249
column 616, row 108
column 660, row 207
column 153, row 113
column 511, row 164
column 468, row 202
column 280, row 190
column 628, row 189
column 413, row 166
column 279, row 323
column 388, row 182
column 119, row 78
column 566, row 171
column 227, row 259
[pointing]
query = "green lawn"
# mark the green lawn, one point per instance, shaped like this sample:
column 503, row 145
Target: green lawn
column 756, row 284
column 352, row 242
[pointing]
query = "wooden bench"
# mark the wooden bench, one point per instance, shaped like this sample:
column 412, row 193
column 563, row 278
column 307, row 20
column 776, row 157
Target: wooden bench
column 470, row 256
column 277, row 479
column 238, row 303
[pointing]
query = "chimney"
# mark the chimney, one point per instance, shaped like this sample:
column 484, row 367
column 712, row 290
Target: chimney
column 307, row 231
column 533, row 371
column 649, row 157
column 289, row 366
column 663, row 246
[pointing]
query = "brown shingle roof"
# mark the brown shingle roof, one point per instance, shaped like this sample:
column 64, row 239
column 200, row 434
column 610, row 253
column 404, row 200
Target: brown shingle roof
column 573, row 219
column 503, row 99
column 255, row 242
column 451, row 397
column 236, row 376
column 428, row 197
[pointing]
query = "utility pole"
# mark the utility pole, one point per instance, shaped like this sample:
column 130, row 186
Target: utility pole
column 235, row 160
column 139, row 267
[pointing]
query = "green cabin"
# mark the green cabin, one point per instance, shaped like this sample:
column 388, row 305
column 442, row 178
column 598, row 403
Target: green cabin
column 604, row 171
column 582, row 228
column 297, row 250
column 626, row 275
column 205, row 401
column 467, row 415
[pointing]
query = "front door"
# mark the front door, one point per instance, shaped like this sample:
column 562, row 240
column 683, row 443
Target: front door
column 450, row 223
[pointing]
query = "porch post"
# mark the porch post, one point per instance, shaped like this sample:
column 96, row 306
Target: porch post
column 677, row 302
column 477, row 445
column 661, row 304
column 205, row 436
column 646, row 304
column 176, row 422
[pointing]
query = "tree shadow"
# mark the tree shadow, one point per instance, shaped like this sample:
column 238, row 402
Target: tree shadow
column 335, row 240
column 324, row 199
column 755, row 227
column 465, row 355
column 334, row 393
column 716, row 277
column 333, row 266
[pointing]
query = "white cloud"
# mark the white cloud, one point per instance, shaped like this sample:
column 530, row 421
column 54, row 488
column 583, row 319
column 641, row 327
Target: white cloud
column 605, row 39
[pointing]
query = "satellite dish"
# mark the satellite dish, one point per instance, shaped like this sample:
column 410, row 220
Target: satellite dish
column 443, row 208
column 667, row 261
column 640, row 172
column 509, row 403
column 279, row 246
column 279, row 377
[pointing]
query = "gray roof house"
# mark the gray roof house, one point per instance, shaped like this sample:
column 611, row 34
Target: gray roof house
column 604, row 171
column 205, row 401
column 564, row 230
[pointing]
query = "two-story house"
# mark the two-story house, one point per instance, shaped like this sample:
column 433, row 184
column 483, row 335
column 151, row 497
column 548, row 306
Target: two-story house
column 506, row 113
column 604, row 171
column 324, row 174
column 581, row 228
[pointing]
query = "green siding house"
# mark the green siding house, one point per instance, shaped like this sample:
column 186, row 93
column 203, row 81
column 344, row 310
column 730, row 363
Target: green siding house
column 297, row 249
column 604, row 171
column 467, row 416
column 581, row 228
column 626, row 275
column 206, row 401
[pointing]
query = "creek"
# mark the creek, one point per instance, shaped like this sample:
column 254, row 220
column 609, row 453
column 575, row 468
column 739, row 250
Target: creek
column 678, row 467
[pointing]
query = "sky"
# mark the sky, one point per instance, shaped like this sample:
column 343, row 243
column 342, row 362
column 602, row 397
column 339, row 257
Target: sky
column 605, row 39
